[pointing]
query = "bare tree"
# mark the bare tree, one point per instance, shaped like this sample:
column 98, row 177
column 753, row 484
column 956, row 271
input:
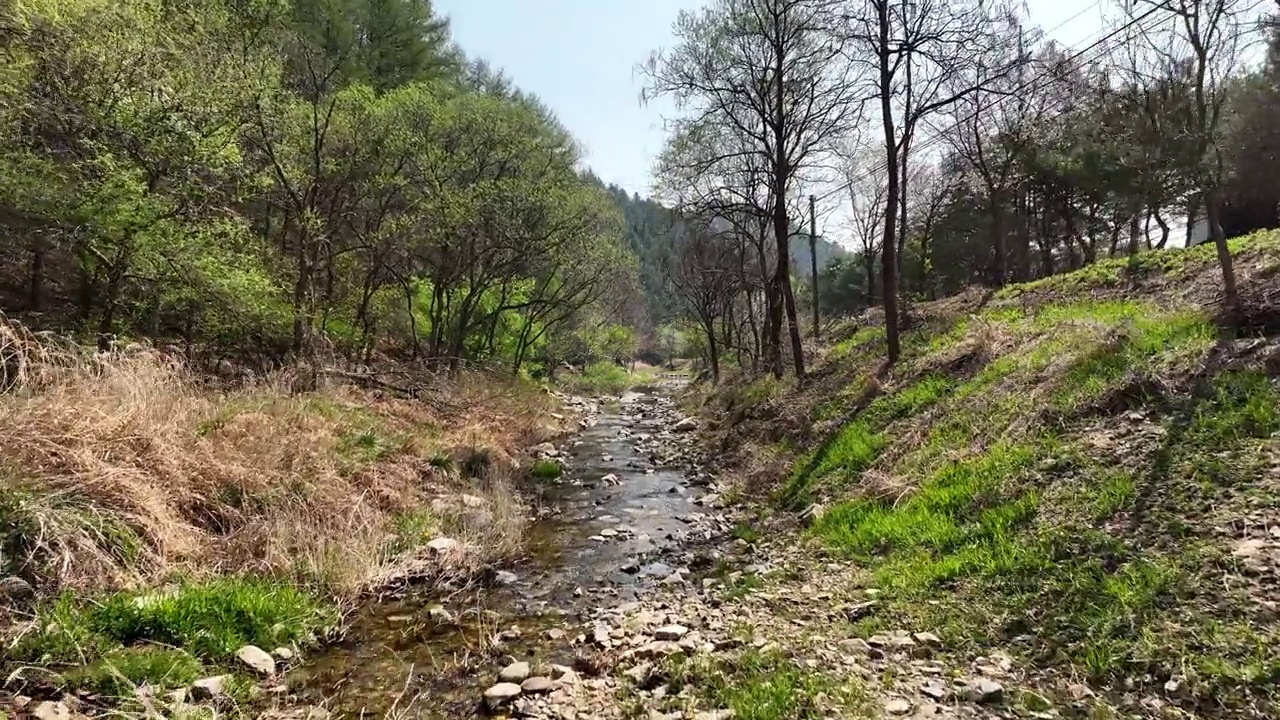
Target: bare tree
column 937, row 40
column 1204, row 38
column 703, row 275
column 773, row 73
column 867, row 196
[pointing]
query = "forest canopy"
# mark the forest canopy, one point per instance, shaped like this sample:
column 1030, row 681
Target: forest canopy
column 272, row 179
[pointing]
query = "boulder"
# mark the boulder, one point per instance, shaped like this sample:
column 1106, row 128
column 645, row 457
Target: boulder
column 257, row 659
column 927, row 638
column 986, row 691
column 283, row 654
column 514, row 673
column 210, row 688
column 535, row 685
column 500, row 694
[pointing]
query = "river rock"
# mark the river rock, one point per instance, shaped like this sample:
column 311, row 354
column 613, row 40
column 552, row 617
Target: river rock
column 49, row 710
column 657, row 649
column 546, row 449
column 535, row 685
column 16, row 591
column 283, row 654
column 514, row 673
column 443, row 545
column 257, row 659
column 304, row 712
column 985, row 691
column 685, row 425
column 658, row 570
column 610, row 479
column 897, row 706
column 714, row 715
column 210, row 688
column 504, row 577
column 935, row 691
column 500, row 694
column 670, row 632
column 927, row 638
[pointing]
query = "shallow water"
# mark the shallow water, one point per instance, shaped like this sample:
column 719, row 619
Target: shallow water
column 398, row 659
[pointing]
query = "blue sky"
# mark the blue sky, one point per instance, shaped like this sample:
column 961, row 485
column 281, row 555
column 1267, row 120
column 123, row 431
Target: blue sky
column 579, row 57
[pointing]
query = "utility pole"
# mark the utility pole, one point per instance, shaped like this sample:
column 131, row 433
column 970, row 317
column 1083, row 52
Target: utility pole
column 813, row 261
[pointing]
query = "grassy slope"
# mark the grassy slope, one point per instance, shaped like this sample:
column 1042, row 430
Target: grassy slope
column 164, row 524
column 1067, row 469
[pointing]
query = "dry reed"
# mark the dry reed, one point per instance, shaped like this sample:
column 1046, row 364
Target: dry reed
column 119, row 469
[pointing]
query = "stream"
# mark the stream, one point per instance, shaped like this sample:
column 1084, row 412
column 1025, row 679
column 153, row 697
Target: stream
column 614, row 524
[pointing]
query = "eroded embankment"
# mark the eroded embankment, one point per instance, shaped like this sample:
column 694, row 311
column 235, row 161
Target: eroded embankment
column 1077, row 475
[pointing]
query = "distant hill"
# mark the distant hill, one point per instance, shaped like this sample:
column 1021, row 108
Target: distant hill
column 826, row 250
column 649, row 226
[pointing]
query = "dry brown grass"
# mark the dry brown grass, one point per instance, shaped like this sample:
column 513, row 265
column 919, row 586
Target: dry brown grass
column 122, row 469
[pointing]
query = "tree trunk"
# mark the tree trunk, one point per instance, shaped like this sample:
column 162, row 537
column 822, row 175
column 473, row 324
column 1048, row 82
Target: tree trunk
column 1164, row 230
column 888, row 251
column 1135, row 231
column 301, row 289
column 793, row 319
column 1213, row 211
column 813, row 264
column 35, row 287
column 713, row 351
column 999, row 261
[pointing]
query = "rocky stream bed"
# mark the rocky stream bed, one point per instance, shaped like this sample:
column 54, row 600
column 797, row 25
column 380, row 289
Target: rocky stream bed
column 631, row 564
column 631, row 569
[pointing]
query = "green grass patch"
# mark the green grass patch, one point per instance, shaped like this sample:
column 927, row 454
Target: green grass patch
column 964, row 504
column 411, row 530
column 117, row 673
column 367, row 446
column 545, row 469
column 1242, row 405
column 860, row 339
column 210, row 620
column 746, row 533
column 857, row 445
column 599, row 378
column 760, row 686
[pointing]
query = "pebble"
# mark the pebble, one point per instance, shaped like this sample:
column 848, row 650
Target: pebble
column 897, row 706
